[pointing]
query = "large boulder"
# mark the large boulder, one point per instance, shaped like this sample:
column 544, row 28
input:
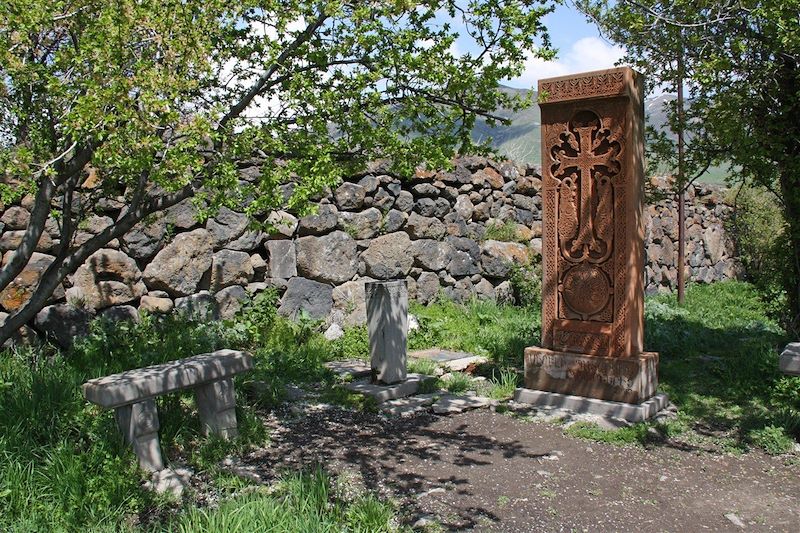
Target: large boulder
column 462, row 264
column 323, row 221
column 421, row 227
column 282, row 259
column 109, row 277
column 714, row 241
column 427, row 287
column 305, row 295
column 349, row 301
column 349, row 196
column 432, row 255
column 389, row 256
column 330, row 259
column 156, row 304
column 283, row 224
column 15, row 217
column 182, row 216
column 63, row 323
column 179, row 267
column 226, row 227
column 404, row 201
column 24, row 336
column 362, row 225
column 145, row 239
column 201, row 306
column 92, row 226
column 497, row 257
column 230, row 301
column 11, row 240
column 21, row 288
column 229, row 267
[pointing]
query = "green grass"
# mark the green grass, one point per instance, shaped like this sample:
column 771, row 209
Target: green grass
column 506, row 231
column 719, row 362
column 483, row 328
column 63, row 466
column 299, row 502
column 457, row 382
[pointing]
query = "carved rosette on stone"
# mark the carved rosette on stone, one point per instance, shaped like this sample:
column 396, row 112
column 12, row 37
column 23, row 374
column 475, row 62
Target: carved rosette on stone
column 593, row 293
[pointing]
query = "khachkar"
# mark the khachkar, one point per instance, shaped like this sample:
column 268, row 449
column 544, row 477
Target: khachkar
column 593, row 253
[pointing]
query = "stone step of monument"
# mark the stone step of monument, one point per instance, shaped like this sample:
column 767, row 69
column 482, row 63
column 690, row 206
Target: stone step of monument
column 441, row 403
column 382, row 393
column 454, row 361
column 353, row 368
column 410, row 405
column 450, row 404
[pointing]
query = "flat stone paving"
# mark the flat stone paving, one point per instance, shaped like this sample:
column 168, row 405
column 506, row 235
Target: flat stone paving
column 452, row 361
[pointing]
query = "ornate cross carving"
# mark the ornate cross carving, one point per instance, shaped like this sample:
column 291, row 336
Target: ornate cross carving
column 592, row 151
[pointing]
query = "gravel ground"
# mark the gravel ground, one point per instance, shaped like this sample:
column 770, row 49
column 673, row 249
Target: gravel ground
column 483, row 471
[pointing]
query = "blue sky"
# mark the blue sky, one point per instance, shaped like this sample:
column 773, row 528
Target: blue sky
column 580, row 48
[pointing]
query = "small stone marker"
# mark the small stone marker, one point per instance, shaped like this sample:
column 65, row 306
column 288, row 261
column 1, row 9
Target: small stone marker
column 387, row 324
column 593, row 255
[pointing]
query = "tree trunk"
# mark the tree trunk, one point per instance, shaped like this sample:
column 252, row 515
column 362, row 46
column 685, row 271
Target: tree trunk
column 66, row 264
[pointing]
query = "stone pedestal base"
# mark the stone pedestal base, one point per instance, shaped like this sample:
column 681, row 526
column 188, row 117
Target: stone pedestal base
column 618, row 379
column 630, row 412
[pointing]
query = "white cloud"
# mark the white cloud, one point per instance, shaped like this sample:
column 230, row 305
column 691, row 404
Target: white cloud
column 588, row 53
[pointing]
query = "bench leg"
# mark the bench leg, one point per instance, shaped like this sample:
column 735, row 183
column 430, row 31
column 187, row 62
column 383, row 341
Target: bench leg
column 216, row 402
column 139, row 425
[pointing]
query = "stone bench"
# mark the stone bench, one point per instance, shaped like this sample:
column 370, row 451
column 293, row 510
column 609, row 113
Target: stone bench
column 789, row 363
column 132, row 396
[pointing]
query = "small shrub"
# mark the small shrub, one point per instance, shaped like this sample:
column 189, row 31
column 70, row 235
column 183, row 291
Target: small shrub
column 458, row 382
column 504, row 387
column 759, row 229
column 636, row 434
column 422, row 366
column 354, row 344
column 502, row 231
column 526, row 282
column 772, row 439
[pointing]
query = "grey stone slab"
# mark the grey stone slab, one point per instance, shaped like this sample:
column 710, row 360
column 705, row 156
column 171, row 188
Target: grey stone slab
column 789, row 362
column 579, row 404
column 452, row 360
column 387, row 324
column 439, row 355
column 452, row 404
column 383, row 393
column 408, row 406
column 352, row 367
column 143, row 383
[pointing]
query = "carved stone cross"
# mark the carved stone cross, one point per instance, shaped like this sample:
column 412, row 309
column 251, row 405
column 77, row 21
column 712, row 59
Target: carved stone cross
column 593, row 257
column 587, row 160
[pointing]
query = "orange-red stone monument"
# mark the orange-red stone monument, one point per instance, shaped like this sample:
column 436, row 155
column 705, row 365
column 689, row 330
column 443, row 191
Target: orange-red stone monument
column 593, row 251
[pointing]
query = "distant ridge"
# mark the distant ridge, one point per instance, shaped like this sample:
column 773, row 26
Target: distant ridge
column 521, row 141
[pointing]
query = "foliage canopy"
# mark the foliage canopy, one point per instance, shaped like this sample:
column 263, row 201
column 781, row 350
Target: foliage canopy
column 157, row 100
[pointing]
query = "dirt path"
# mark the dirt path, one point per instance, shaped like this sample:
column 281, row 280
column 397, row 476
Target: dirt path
column 490, row 472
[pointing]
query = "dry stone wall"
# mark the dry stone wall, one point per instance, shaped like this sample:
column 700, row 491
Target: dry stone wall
column 445, row 232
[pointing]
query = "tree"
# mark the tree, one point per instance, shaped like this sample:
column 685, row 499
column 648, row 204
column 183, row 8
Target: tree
column 741, row 68
column 158, row 99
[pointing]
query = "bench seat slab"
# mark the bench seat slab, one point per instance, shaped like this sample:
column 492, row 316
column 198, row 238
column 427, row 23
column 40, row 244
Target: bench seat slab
column 143, row 383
